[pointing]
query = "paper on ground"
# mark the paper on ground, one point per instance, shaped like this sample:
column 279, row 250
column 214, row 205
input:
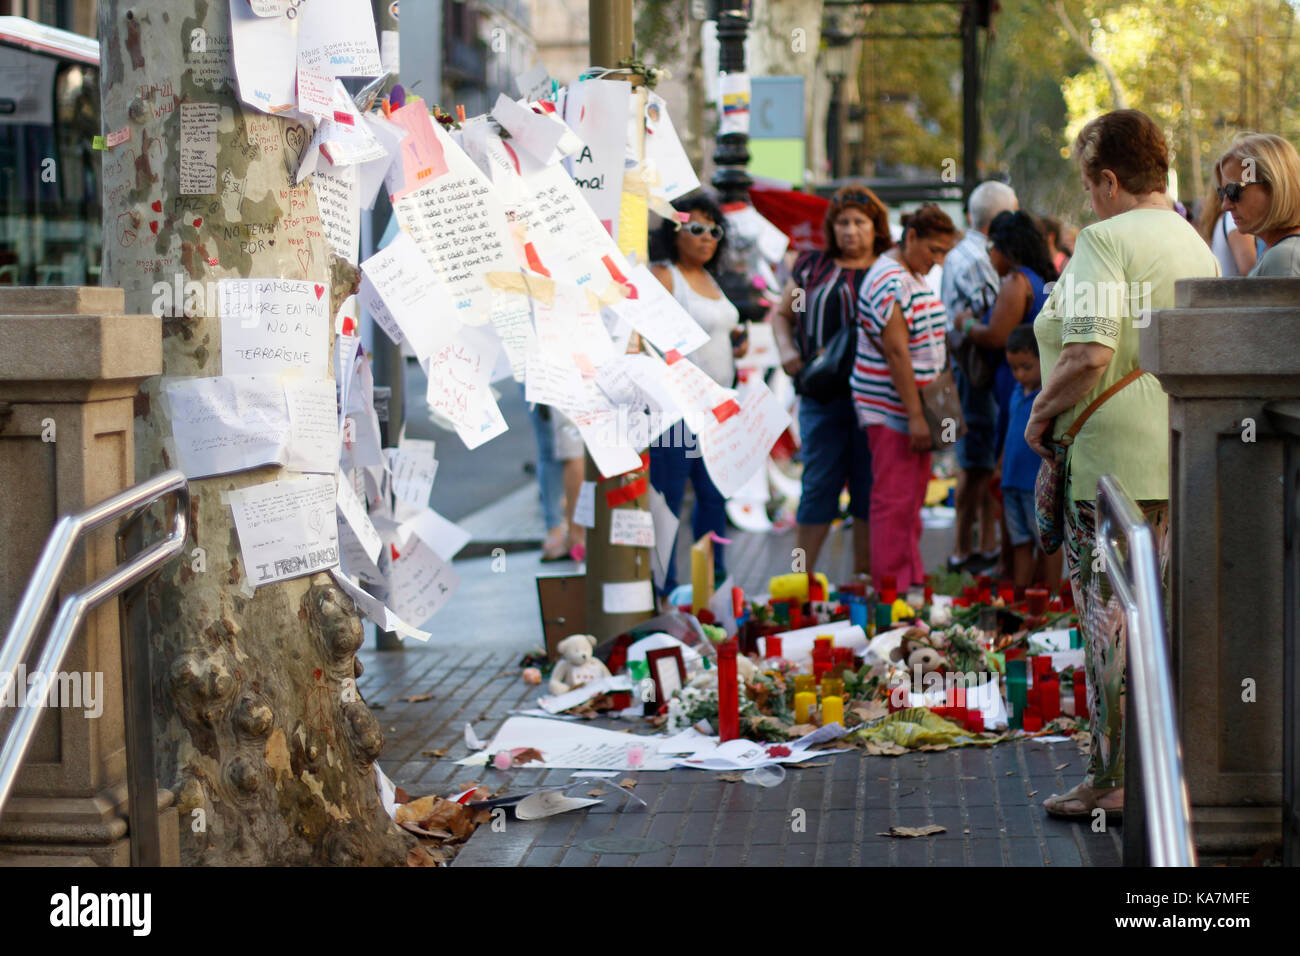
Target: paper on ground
column 606, row 685
column 796, row 646
column 745, row 755
column 569, row 745
column 986, row 697
column 286, row 528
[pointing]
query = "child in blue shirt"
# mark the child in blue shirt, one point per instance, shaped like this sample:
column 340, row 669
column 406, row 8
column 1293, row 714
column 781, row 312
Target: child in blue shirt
column 1020, row 466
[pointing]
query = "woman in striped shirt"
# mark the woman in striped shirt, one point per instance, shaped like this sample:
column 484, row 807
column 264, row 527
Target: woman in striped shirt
column 820, row 298
column 901, row 347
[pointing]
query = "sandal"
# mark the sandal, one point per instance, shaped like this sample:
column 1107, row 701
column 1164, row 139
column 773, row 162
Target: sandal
column 554, row 548
column 1079, row 803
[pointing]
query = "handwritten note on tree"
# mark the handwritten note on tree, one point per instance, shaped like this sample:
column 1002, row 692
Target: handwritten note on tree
column 269, row 326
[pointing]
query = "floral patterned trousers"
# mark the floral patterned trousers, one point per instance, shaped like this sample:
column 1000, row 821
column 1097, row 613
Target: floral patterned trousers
column 1105, row 630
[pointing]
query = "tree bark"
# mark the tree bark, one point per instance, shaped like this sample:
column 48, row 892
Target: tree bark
column 259, row 728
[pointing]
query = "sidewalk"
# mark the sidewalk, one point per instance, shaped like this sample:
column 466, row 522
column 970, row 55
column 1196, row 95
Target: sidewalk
column 989, row 800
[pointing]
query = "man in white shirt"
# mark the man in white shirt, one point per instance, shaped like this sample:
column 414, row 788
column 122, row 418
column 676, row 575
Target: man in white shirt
column 970, row 285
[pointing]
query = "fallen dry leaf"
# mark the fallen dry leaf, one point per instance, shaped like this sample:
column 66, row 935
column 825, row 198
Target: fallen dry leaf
column 929, row 830
column 401, row 796
column 526, row 755
column 815, row 763
column 627, row 783
column 801, row 730
column 870, row 710
column 596, row 793
column 885, row 748
column 1033, row 793
column 734, row 777
column 433, row 753
column 437, row 817
column 1062, row 766
column 416, row 698
column 420, row 855
column 1010, row 773
column 933, row 747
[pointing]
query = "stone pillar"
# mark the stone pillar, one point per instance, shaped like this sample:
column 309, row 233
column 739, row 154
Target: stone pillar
column 69, row 377
column 1226, row 349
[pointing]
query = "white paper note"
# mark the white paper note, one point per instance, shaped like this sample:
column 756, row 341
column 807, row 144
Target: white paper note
column 339, row 200
column 459, row 369
column 229, row 423
column 566, row 237
column 414, row 470
column 667, row 164
column 627, row 597
column 733, row 449
column 265, row 58
column 658, row 316
column 445, row 537
column 271, row 326
column 374, row 609
column 354, row 513
column 584, row 509
column 460, row 225
column 597, row 111
column 313, row 425
column 338, row 38
column 631, row 526
column 665, row 524
column 410, row 291
column 420, row 582
column 286, row 528
column 198, row 149
column 488, row 425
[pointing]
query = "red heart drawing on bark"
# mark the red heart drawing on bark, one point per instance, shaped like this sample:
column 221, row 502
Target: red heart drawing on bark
column 156, row 205
column 320, row 290
column 198, row 222
column 153, row 226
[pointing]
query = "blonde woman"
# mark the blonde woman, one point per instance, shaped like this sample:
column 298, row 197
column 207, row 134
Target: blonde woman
column 1258, row 180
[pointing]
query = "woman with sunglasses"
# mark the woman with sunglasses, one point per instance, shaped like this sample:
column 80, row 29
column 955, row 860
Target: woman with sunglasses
column 693, row 243
column 820, row 298
column 1123, row 268
column 1258, row 180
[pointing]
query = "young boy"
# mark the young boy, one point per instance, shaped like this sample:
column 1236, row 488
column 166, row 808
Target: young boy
column 1020, row 466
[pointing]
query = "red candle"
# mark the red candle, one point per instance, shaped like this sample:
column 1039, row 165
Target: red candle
column 929, row 595
column 1049, row 700
column 773, row 646
column 970, row 592
column 1032, row 722
column 975, row 721
column 1008, row 595
column 984, row 581
column 1037, row 598
column 728, row 692
column 985, row 595
column 888, row 582
column 1080, row 695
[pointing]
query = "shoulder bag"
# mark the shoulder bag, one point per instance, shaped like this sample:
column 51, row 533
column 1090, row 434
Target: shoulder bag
column 826, row 376
column 1049, row 487
column 940, row 403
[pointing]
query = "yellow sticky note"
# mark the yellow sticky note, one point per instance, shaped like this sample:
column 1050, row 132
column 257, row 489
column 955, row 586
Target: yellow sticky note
column 633, row 223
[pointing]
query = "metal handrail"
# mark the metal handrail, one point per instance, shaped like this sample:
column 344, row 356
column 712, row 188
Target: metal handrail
column 131, row 505
column 1136, row 582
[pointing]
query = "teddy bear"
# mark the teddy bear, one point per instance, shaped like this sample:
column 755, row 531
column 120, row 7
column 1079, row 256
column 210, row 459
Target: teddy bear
column 915, row 649
column 576, row 666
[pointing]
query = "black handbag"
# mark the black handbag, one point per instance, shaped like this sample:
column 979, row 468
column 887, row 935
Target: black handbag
column 826, row 377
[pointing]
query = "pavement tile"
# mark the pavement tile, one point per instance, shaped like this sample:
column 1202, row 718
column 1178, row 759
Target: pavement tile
column 911, row 767
column 692, row 856
column 944, row 793
column 765, row 854
column 734, row 829
column 1061, row 851
column 844, row 793
column 657, row 858
column 838, row 853
column 875, row 851
column 577, row 857
column 544, row 856
column 1024, row 851
column 951, row 818
column 770, row 826
column 845, row 766
column 698, row 830
column 800, row 856
column 664, row 826
column 981, row 792
column 913, row 852
column 986, row 853
column 727, row 855
column 557, row 831
column 949, row 853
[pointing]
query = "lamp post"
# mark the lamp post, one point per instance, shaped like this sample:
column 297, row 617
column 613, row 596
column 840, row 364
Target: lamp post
column 836, row 59
column 730, row 157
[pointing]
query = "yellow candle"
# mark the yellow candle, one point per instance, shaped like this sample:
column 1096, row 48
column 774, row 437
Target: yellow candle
column 804, row 683
column 832, row 687
column 832, row 710
column 804, row 703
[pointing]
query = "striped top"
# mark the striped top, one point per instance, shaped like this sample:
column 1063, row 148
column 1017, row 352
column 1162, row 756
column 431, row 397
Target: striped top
column 888, row 282
column 831, row 298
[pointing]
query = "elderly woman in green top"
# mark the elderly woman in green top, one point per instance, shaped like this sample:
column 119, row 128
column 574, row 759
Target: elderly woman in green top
column 1124, row 267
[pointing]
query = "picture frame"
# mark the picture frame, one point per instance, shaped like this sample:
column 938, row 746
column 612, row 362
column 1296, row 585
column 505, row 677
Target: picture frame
column 668, row 671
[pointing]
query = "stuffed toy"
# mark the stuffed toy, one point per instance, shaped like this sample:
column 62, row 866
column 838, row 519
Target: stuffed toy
column 577, row 666
column 915, row 650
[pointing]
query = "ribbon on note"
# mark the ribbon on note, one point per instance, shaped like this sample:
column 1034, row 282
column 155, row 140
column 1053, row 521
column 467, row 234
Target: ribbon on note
column 726, row 410
column 534, row 260
column 618, row 276
column 628, row 492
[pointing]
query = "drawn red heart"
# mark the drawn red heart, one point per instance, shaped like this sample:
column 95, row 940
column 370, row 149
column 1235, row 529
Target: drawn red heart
column 393, row 548
column 212, row 261
column 153, row 226
column 156, row 205
column 198, row 222
column 320, row 290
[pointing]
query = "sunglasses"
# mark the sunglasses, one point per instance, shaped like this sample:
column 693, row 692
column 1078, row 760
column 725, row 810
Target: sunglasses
column 700, row 229
column 1232, row 191
column 858, row 199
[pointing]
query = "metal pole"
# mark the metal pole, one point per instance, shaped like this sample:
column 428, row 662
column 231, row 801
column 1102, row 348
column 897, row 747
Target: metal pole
column 611, row 42
column 970, row 116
